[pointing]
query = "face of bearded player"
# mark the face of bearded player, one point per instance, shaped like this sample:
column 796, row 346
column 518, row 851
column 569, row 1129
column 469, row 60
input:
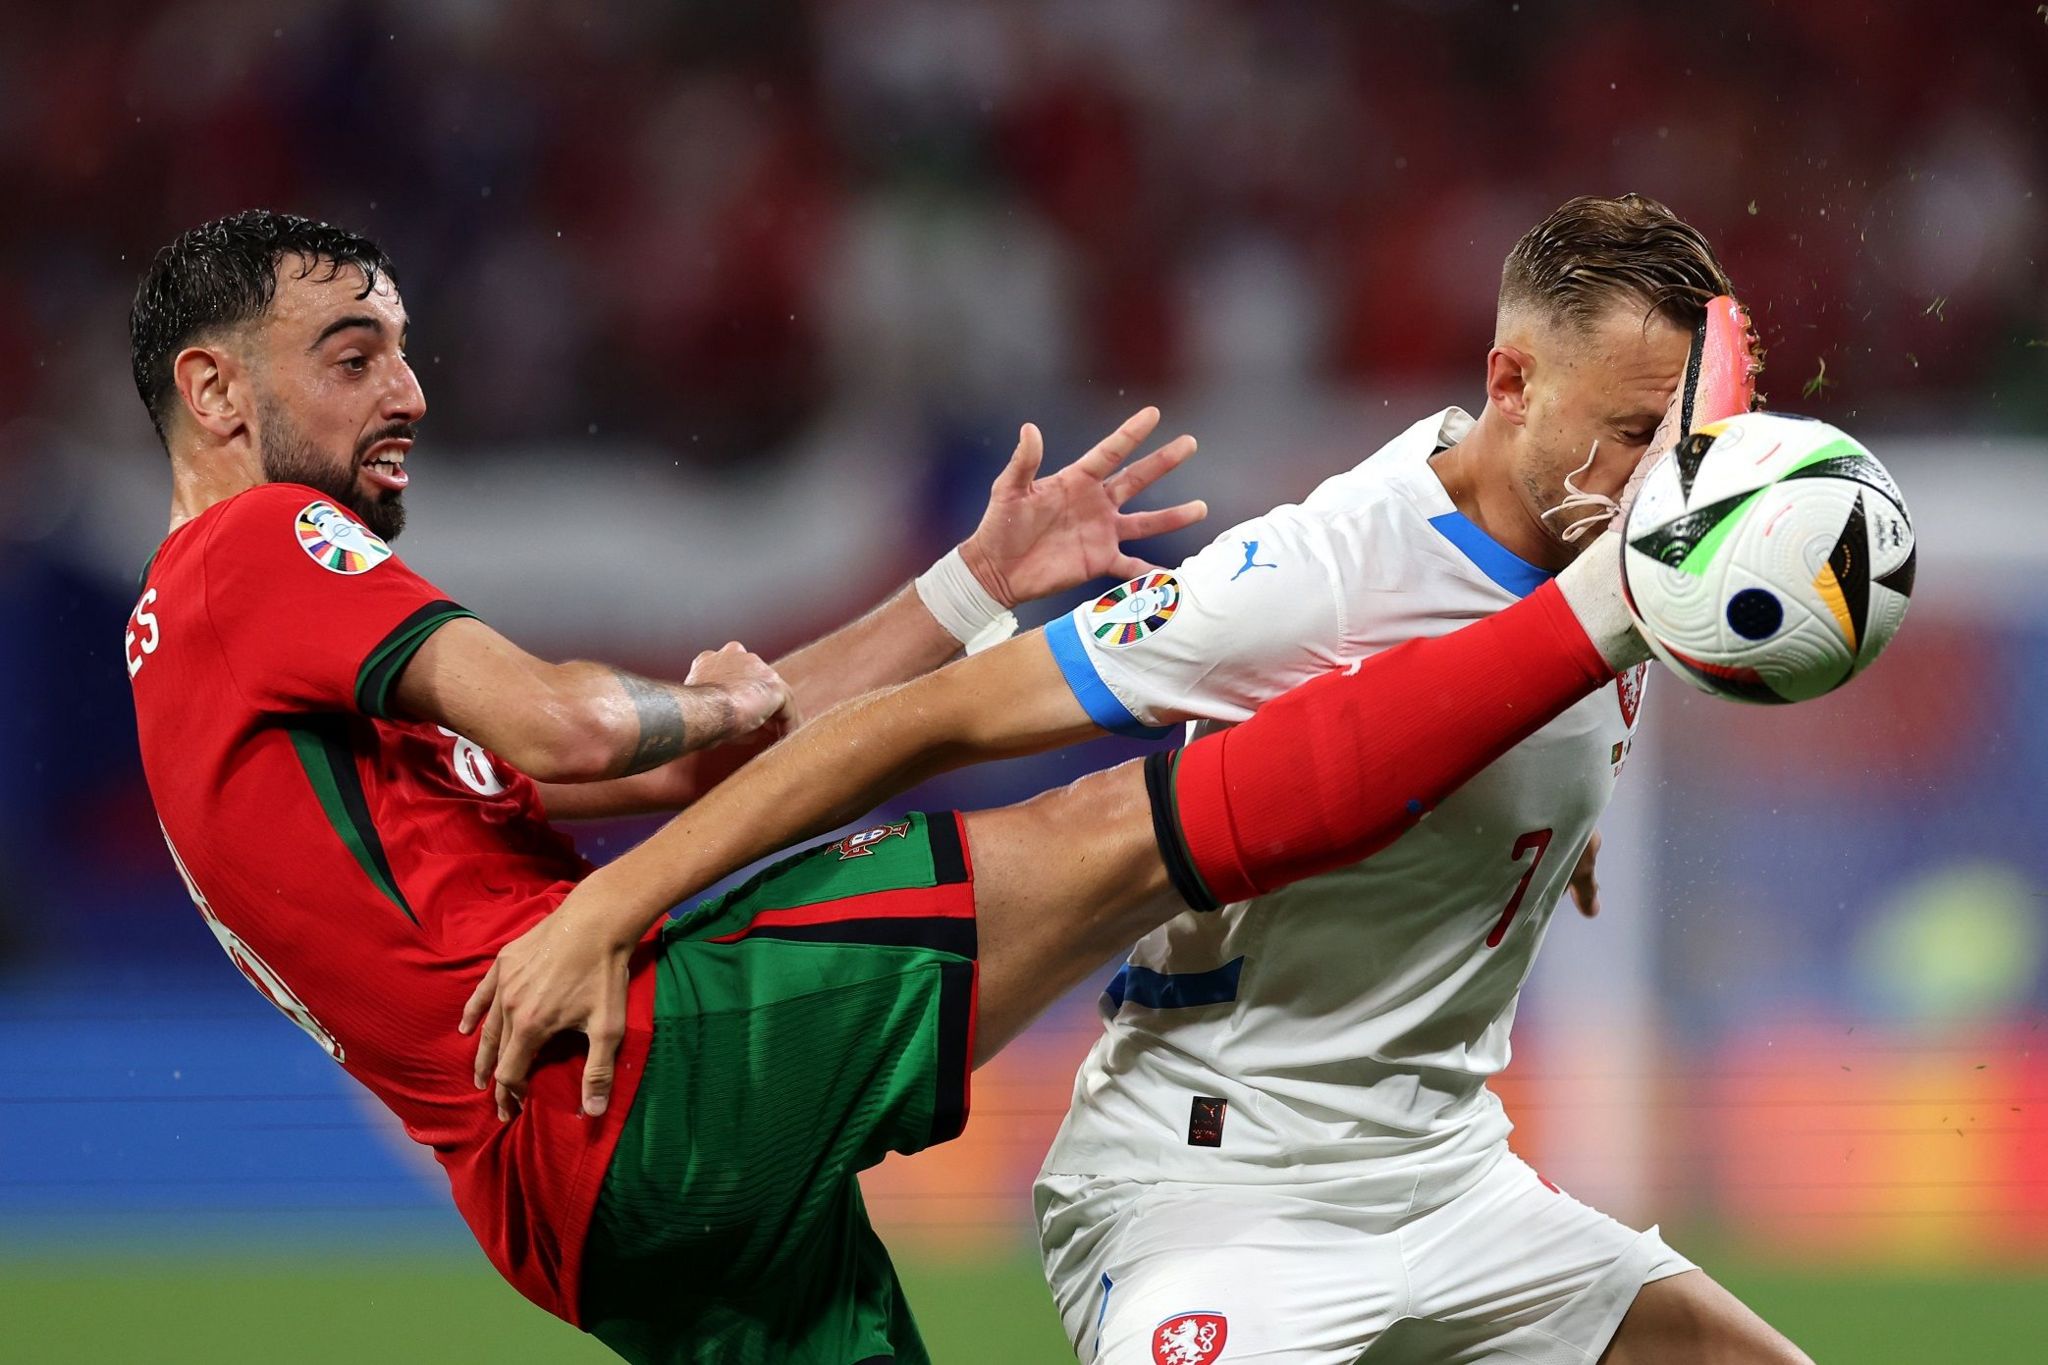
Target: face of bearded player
column 1610, row 384
column 337, row 404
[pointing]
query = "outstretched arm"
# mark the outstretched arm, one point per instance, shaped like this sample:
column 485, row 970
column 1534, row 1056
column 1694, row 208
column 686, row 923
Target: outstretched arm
column 1038, row 536
column 1002, row 703
column 580, row 721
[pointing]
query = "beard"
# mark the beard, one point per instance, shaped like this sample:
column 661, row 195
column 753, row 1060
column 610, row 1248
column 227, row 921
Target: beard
column 289, row 457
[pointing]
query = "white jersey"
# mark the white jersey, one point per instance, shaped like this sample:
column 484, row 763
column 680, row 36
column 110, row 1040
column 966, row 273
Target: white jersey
column 1342, row 1028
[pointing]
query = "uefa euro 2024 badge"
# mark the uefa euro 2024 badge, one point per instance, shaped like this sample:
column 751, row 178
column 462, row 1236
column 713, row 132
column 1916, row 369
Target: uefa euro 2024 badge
column 337, row 541
column 1127, row 614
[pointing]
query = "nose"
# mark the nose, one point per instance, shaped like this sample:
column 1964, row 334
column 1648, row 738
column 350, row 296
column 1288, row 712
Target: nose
column 405, row 400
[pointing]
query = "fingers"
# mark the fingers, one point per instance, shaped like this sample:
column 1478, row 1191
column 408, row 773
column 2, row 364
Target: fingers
column 514, row 1060
column 1130, row 566
column 1024, row 461
column 597, row 1066
column 487, row 1044
column 1150, row 470
column 1138, row 525
column 1113, row 449
column 479, row 999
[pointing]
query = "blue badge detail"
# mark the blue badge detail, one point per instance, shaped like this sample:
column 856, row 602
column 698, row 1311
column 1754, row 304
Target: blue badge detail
column 1251, row 560
column 1103, row 706
column 1173, row 990
column 1489, row 556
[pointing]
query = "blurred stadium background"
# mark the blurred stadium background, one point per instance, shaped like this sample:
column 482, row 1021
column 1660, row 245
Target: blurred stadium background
column 727, row 314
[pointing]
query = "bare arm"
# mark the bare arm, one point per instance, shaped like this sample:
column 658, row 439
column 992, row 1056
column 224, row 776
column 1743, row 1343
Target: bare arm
column 578, row 721
column 1008, row 701
column 1037, row 537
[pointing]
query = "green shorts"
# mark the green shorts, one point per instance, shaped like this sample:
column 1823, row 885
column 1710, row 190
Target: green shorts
column 806, row 1024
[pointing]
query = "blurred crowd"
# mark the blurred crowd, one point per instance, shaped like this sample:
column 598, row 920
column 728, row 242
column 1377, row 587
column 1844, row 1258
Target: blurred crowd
column 700, row 224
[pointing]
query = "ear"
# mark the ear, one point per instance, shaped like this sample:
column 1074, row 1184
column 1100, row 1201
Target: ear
column 1507, row 382
column 208, row 380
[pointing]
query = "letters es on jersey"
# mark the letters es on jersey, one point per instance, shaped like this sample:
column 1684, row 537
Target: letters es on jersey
column 1190, row 1339
column 862, row 845
column 1127, row 614
column 338, row 542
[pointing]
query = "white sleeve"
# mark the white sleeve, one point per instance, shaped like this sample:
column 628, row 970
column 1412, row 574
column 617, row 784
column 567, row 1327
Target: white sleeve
column 1258, row 611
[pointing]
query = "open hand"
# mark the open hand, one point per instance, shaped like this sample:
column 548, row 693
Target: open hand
column 1042, row 536
column 565, row 974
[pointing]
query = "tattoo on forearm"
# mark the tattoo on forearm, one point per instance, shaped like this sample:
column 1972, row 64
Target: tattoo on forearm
column 660, row 713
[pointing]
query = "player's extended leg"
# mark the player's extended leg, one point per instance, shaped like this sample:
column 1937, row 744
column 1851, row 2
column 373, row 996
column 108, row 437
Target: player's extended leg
column 1322, row 776
column 1689, row 1319
column 1062, row 883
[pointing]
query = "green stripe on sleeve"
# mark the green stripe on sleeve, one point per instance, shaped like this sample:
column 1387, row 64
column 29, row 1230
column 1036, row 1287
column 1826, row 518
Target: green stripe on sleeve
column 375, row 679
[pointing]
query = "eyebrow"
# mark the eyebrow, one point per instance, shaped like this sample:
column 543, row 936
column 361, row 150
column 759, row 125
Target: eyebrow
column 345, row 323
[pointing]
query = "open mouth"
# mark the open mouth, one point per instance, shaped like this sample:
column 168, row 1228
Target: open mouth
column 386, row 464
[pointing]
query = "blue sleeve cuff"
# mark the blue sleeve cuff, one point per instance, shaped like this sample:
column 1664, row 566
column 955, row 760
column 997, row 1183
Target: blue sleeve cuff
column 1102, row 705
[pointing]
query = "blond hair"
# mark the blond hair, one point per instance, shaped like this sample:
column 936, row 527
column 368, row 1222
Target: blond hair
column 1594, row 252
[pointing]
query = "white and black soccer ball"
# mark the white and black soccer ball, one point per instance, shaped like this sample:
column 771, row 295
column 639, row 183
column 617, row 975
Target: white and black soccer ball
column 1768, row 558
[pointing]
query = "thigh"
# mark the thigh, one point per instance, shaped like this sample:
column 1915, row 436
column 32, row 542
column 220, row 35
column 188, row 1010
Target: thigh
column 831, row 1299
column 1690, row 1319
column 805, row 1025
column 1515, row 1269
column 1063, row 883
column 1188, row 1275
column 822, row 1011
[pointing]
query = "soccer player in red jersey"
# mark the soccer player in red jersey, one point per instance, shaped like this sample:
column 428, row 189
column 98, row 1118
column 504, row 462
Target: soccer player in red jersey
column 356, row 778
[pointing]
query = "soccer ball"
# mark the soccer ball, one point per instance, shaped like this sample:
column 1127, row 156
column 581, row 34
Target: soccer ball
column 1768, row 558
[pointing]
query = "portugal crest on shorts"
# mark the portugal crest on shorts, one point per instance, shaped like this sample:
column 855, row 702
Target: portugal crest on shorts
column 862, row 845
column 1190, row 1339
column 338, row 542
column 1125, row 615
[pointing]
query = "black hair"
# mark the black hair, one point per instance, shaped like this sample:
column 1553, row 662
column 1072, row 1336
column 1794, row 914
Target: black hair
column 223, row 273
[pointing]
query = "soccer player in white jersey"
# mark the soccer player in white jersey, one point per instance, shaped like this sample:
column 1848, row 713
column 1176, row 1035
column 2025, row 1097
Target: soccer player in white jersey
column 1283, row 1147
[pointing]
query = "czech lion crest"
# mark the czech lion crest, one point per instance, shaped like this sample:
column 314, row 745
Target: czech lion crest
column 1190, row 1339
column 1630, row 687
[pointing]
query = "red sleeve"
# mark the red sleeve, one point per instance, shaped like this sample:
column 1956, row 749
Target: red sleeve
column 314, row 611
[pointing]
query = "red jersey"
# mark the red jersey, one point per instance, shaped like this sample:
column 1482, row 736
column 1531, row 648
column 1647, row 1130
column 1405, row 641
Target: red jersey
column 363, row 871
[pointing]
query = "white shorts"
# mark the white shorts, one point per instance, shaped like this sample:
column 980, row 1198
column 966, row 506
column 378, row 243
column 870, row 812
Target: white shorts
column 1512, row 1269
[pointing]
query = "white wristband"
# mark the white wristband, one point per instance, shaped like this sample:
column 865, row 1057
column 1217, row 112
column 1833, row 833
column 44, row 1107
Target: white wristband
column 958, row 602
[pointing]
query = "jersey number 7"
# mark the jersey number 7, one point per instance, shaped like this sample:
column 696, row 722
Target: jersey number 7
column 1539, row 841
